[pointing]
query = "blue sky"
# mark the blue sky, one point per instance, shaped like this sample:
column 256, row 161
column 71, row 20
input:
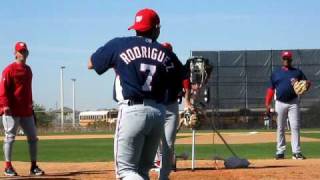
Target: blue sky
column 68, row 32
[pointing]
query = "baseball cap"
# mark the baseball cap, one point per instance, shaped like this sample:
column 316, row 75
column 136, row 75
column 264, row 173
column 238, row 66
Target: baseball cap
column 167, row 46
column 286, row 54
column 145, row 19
column 21, row 46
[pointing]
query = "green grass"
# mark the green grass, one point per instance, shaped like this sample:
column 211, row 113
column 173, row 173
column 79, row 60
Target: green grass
column 75, row 133
column 250, row 151
column 310, row 129
column 71, row 150
column 97, row 150
column 311, row 135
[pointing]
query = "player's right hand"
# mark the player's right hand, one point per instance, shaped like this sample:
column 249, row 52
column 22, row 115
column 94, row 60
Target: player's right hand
column 6, row 110
column 268, row 111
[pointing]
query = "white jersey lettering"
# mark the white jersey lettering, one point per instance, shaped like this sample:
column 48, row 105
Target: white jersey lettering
column 149, row 53
column 154, row 54
column 125, row 58
column 144, row 51
column 160, row 56
column 137, row 52
column 130, row 54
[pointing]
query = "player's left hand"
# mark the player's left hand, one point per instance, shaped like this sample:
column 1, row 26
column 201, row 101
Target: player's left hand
column 300, row 87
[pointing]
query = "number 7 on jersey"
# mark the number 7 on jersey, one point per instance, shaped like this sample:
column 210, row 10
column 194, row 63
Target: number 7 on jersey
column 151, row 71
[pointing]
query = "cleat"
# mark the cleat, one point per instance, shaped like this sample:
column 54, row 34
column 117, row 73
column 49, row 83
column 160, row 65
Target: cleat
column 298, row 156
column 10, row 172
column 36, row 171
column 279, row 156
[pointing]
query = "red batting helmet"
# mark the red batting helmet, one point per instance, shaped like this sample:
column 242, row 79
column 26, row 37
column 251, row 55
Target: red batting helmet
column 167, row 46
column 286, row 55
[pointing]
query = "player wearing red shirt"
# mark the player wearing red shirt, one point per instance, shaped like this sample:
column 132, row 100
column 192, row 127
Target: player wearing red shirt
column 16, row 108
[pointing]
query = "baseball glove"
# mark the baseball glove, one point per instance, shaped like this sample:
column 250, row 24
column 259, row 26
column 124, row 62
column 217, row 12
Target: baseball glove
column 192, row 119
column 300, row 87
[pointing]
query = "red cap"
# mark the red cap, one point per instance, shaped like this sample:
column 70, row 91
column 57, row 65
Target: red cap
column 286, row 54
column 145, row 20
column 21, row 46
column 167, row 46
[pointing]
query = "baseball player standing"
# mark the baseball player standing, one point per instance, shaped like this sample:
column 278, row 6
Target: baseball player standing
column 16, row 108
column 286, row 105
column 166, row 148
column 139, row 88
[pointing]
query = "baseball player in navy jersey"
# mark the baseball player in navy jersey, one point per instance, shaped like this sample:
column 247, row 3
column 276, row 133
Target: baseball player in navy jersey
column 140, row 90
column 16, row 108
column 286, row 105
column 165, row 151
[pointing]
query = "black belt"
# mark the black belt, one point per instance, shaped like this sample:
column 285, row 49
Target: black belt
column 132, row 102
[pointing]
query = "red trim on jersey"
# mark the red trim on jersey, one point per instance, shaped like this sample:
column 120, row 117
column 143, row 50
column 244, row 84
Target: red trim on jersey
column 269, row 96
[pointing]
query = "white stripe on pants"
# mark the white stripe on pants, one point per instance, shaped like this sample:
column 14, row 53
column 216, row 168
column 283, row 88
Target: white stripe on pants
column 289, row 110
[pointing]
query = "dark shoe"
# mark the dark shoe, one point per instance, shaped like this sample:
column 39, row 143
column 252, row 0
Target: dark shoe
column 298, row 156
column 279, row 156
column 36, row 171
column 10, row 172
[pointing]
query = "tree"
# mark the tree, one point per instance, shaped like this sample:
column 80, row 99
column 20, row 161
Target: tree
column 43, row 118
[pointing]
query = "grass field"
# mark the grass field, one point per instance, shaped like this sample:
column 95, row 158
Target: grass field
column 97, row 150
column 76, row 133
column 181, row 131
column 112, row 132
column 311, row 135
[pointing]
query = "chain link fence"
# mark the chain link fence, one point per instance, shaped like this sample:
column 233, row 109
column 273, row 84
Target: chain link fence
column 239, row 81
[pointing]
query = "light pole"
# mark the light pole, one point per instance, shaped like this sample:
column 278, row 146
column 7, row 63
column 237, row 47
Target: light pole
column 61, row 96
column 73, row 102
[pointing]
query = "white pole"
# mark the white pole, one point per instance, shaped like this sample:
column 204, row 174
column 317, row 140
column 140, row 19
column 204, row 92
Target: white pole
column 74, row 103
column 193, row 149
column 61, row 96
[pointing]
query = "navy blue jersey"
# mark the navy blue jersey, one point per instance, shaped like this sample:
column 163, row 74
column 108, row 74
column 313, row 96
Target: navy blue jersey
column 176, row 73
column 139, row 64
column 282, row 81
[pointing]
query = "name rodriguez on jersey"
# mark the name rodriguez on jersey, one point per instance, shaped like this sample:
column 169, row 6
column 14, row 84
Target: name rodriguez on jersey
column 137, row 52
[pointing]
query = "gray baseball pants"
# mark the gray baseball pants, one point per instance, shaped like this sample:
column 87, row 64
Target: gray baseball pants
column 11, row 124
column 137, row 136
column 168, row 139
column 289, row 110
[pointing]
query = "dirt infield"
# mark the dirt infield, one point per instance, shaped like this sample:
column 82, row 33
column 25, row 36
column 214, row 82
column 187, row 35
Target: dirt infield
column 259, row 169
column 238, row 138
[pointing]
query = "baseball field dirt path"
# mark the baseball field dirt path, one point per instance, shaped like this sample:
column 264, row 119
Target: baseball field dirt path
column 206, row 170
column 239, row 138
